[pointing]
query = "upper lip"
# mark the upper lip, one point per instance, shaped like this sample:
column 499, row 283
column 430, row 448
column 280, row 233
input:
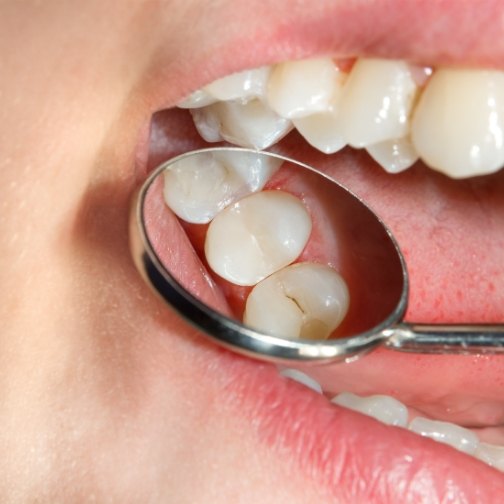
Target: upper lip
column 436, row 33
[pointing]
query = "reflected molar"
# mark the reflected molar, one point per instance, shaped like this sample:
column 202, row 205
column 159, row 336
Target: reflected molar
column 458, row 125
column 301, row 88
column 199, row 187
column 305, row 300
column 451, row 434
column 257, row 236
column 377, row 101
column 386, row 409
column 252, row 124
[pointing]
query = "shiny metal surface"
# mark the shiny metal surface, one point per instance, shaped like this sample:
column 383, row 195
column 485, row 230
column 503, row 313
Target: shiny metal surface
column 382, row 292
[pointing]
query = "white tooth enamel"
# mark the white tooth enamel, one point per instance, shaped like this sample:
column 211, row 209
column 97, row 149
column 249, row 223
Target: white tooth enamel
column 458, row 124
column 252, row 124
column 207, row 123
column 394, row 155
column 302, row 378
column 199, row 187
column 241, row 85
column 323, row 129
column 197, row 99
column 384, row 408
column 491, row 454
column 377, row 100
column 445, row 432
column 305, row 300
column 301, row 88
column 257, row 236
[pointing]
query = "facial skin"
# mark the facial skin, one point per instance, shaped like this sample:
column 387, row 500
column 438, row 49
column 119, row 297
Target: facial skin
column 106, row 395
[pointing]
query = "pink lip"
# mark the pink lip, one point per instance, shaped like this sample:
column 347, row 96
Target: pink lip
column 356, row 458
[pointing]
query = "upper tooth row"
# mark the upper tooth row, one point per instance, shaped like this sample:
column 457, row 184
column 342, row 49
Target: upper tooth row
column 390, row 411
column 252, row 238
column 453, row 120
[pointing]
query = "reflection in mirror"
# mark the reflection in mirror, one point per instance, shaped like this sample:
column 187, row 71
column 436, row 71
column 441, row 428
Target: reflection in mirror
column 273, row 244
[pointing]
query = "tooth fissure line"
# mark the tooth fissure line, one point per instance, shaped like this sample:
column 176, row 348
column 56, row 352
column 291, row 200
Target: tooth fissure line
column 452, row 119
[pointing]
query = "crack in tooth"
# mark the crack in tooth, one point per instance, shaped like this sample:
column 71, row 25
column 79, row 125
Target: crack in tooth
column 452, row 119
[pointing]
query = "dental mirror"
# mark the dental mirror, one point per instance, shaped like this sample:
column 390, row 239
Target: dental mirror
column 271, row 258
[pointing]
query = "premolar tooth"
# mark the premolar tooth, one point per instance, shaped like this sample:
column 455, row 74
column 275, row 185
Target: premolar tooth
column 305, row 300
column 445, row 432
column 241, row 85
column 491, row 454
column 323, row 129
column 257, row 236
column 301, row 88
column 377, row 101
column 458, row 124
column 252, row 124
column 384, row 408
column 394, row 155
column 197, row 99
column 302, row 378
column 197, row 188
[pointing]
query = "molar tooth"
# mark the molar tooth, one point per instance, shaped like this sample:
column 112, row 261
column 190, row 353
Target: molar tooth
column 257, row 236
column 458, row 124
column 377, row 101
column 252, row 124
column 301, row 88
column 198, row 188
column 445, row 432
column 240, row 86
column 384, row 408
column 304, row 300
column 491, row 454
column 197, row 99
column 302, row 378
column 394, row 155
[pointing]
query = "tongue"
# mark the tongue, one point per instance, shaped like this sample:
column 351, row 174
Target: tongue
column 451, row 235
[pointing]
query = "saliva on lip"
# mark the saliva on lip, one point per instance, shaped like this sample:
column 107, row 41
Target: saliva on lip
column 253, row 239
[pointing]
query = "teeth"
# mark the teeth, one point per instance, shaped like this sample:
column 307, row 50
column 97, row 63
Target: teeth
column 257, row 236
column 302, row 378
column 458, row 124
column 301, row 88
column 445, row 432
column 252, row 124
column 394, row 155
column 384, row 408
column 322, row 130
column 199, row 98
column 199, row 187
column 377, row 101
column 491, row 454
column 240, row 86
column 304, row 300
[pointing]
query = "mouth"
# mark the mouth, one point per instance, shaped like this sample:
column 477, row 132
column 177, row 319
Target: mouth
column 443, row 204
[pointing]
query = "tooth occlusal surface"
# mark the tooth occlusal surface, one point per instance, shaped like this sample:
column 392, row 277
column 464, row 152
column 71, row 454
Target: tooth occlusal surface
column 240, row 86
column 301, row 88
column 303, row 378
column 197, row 99
column 304, row 300
column 384, row 408
column 377, row 101
column 458, row 124
column 252, row 124
column 458, row 437
column 257, row 236
column 199, row 187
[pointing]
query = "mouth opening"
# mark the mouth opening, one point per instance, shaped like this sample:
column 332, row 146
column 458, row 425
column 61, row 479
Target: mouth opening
column 449, row 230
